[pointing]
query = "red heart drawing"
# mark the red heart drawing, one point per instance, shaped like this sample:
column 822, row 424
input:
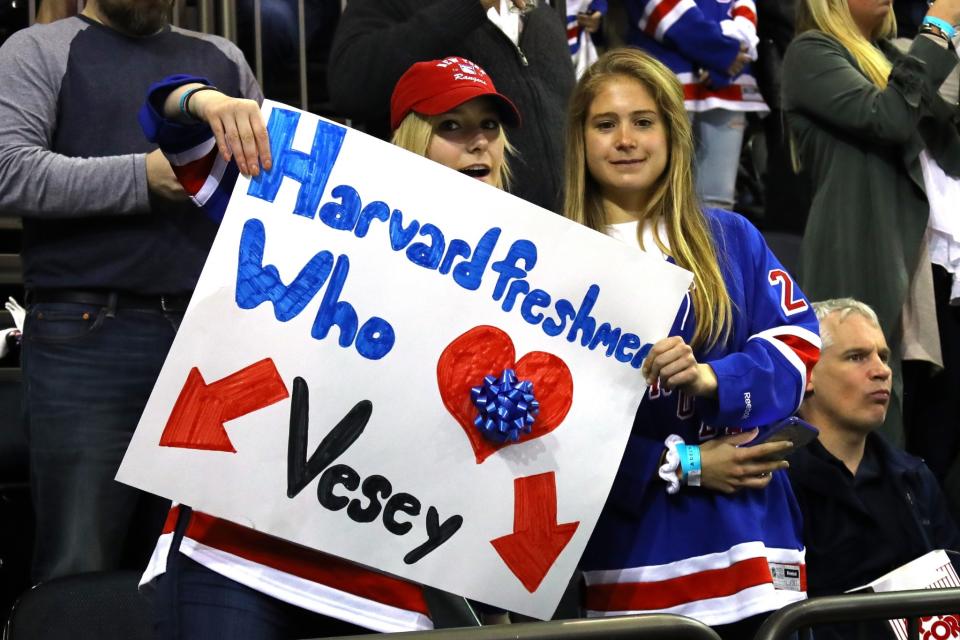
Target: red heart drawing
column 486, row 350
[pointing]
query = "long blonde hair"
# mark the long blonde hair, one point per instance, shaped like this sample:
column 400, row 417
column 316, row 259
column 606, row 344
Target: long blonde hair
column 833, row 18
column 674, row 201
column 416, row 132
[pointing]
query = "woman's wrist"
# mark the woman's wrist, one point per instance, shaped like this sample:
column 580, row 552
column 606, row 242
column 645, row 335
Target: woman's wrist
column 689, row 455
column 939, row 37
column 707, row 387
column 196, row 102
column 171, row 106
column 937, row 13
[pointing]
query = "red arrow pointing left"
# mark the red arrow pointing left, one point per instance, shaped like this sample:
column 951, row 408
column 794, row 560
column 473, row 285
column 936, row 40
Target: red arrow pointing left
column 196, row 421
column 537, row 540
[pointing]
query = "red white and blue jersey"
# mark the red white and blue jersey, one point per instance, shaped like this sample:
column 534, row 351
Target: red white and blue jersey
column 294, row 574
column 576, row 34
column 297, row 575
column 711, row 556
column 688, row 36
column 191, row 150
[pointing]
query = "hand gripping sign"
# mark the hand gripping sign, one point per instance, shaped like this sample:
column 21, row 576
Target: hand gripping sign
column 393, row 363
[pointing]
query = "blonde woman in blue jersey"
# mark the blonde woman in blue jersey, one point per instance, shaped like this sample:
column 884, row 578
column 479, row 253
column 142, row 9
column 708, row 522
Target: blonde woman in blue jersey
column 717, row 537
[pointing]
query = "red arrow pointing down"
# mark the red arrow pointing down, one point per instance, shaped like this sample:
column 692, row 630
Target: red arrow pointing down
column 537, row 540
column 196, row 421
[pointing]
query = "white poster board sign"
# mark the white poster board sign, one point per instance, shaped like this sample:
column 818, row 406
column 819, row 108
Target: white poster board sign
column 352, row 299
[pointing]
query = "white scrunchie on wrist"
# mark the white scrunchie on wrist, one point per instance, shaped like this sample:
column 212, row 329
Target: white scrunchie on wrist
column 668, row 470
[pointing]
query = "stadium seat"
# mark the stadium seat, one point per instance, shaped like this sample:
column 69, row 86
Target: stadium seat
column 103, row 605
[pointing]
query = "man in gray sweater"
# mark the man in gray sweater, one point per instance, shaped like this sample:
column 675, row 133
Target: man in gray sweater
column 112, row 250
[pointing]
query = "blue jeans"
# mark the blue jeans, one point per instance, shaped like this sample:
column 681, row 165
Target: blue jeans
column 87, row 374
column 719, row 135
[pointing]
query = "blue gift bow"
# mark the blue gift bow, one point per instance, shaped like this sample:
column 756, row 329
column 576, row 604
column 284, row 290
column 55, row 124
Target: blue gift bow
column 507, row 407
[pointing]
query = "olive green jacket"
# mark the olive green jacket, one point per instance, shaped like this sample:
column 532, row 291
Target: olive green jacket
column 861, row 146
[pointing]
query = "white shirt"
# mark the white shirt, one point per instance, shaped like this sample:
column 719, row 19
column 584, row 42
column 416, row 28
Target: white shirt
column 508, row 21
column 626, row 232
column 943, row 226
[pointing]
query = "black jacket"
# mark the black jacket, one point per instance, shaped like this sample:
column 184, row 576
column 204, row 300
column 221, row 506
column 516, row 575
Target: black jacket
column 841, row 537
column 377, row 40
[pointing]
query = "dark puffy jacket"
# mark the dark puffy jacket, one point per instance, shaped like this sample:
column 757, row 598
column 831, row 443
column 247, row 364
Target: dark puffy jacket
column 377, row 40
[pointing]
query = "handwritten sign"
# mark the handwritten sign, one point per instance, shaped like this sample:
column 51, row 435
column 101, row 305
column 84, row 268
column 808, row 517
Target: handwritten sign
column 394, row 363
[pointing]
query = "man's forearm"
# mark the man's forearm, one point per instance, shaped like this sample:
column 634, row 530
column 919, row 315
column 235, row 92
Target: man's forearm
column 37, row 183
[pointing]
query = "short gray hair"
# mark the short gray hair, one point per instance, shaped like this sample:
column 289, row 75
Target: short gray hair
column 843, row 306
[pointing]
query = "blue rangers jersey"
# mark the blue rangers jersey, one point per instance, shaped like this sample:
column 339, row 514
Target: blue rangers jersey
column 691, row 36
column 191, row 150
column 715, row 557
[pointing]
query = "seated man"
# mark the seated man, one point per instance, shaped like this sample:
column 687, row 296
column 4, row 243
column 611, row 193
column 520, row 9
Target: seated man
column 868, row 507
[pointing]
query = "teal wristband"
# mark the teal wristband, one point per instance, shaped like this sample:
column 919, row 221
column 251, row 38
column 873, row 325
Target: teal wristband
column 183, row 103
column 185, row 100
column 947, row 28
column 689, row 455
column 682, row 454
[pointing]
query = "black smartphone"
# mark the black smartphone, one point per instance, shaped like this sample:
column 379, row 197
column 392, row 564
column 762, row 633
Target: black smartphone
column 791, row 429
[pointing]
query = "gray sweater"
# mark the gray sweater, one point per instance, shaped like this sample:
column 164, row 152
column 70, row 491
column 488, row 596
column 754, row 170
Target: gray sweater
column 72, row 155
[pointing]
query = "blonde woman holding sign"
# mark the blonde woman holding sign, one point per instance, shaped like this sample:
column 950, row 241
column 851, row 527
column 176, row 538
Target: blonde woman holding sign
column 218, row 579
column 883, row 152
column 701, row 521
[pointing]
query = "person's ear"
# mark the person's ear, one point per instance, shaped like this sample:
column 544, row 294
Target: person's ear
column 808, row 390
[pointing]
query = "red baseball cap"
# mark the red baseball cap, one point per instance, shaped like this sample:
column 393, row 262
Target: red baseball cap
column 437, row 86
